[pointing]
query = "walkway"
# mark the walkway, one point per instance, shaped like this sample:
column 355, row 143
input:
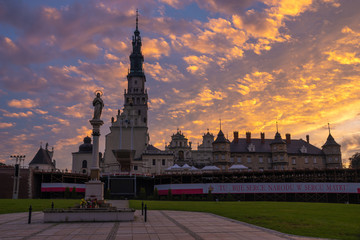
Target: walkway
column 159, row 225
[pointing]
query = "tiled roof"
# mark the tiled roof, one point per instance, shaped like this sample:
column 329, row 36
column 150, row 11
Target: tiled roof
column 293, row 148
column 330, row 141
column 41, row 157
column 221, row 138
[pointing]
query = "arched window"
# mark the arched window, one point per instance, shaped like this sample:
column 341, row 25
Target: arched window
column 84, row 164
column 181, row 155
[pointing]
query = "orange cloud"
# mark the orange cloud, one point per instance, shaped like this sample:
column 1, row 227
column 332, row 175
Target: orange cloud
column 23, row 103
column 6, row 125
column 18, row 115
column 155, row 48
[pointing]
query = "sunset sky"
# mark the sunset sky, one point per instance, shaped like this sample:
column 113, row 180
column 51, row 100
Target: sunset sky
column 250, row 63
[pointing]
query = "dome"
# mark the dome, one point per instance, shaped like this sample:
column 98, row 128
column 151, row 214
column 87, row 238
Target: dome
column 86, row 146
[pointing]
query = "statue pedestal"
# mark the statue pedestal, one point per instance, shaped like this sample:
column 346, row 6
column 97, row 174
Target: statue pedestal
column 94, row 190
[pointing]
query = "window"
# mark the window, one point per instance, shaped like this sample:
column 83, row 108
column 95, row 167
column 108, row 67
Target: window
column 303, row 149
column 154, row 162
column 216, row 157
column 84, row 164
column 306, row 160
column 269, row 160
column 281, row 158
column 222, row 157
column 261, row 159
column 232, row 159
column 315, row 160
column 135, row 168
column 293, row 160
column 251, row 148
column 239, row 159
column 163, row 162
column 336, row 159
column 139, row 112
column 84, row 171
column 222, row 147
column 249, row 159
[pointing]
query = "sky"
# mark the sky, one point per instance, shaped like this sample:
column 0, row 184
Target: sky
column 249, row 63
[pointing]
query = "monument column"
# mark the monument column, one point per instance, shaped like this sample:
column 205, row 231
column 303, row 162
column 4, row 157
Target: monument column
column 95, row 188
column 95, row 170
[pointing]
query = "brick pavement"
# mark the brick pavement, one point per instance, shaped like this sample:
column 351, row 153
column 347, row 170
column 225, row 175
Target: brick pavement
column 160, row 225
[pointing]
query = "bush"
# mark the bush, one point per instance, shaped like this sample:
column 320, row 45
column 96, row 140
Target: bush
column 156, row 194
column 210, row 197
column 107, row 194
column 67, row 193
column 183, row 197
column 230, row 197
column 169, row 196
column 73, row 193
column 142, row 193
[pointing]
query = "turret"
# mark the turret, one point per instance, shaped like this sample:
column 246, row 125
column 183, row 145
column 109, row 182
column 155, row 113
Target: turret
column 279, row 153
column 221, row 151
column 332, row 152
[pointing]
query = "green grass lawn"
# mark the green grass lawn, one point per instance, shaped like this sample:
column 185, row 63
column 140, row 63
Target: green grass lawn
column 326, row 220
column 22, row 205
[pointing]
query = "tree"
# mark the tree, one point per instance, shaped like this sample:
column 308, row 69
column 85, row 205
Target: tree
column 355, row 160
column 73, row 194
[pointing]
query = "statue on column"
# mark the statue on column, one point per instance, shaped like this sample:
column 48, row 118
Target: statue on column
column 98, row 105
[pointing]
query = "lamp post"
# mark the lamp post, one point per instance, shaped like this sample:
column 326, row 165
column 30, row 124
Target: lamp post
column 18, row 159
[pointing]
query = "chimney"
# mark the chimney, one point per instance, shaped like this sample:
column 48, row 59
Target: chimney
column 236, row 137
column 248, row 137
column 262, row 135
column 307, row 138
column 288, row 138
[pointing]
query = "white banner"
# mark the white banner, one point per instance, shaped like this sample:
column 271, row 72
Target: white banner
column 220, row 188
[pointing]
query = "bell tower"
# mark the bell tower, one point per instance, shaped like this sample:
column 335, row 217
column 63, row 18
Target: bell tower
column 129, row 137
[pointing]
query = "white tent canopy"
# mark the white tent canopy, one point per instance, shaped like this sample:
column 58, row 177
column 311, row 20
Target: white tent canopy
column 238, row 167
column 210, row 168
column 186, row 166
column 175, row 167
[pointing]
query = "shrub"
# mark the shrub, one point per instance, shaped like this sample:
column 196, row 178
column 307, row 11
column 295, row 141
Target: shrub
column 210, row 197
column 67, row 193
column 142, row 193
column 156, row 194
column 229, row 197
column 169, row 196
column 73, row 193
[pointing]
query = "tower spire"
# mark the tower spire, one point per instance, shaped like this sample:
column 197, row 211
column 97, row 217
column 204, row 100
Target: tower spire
column 277, row 128
column 220, row 124
column 329, row 128
column 137, row 19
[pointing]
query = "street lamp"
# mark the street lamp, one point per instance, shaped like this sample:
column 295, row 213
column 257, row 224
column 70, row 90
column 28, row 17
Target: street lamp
column 18, row 159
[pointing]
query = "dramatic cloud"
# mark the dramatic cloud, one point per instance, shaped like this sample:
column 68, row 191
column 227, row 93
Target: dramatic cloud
column 249, row 63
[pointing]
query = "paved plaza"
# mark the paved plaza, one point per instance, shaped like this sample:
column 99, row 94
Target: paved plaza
column 159, row 225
